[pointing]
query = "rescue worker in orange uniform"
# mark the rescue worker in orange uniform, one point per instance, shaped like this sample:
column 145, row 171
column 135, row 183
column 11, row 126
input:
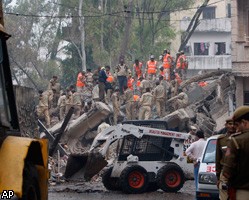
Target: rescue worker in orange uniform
column 162, row 72
column 109, row 84
column 151, row 68
column 178, row 78
column 182, row 65
column 130, row 81
column 80, row 83
column 137, row 69
column 167, row 64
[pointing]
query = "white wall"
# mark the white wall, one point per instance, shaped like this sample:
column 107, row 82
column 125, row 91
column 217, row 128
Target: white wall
column 211, row 38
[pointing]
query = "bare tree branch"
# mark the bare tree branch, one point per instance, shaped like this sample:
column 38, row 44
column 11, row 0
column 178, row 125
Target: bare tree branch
column 26, row 73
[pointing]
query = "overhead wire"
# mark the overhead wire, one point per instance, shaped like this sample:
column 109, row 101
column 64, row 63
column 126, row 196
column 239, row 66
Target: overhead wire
column 105, row 14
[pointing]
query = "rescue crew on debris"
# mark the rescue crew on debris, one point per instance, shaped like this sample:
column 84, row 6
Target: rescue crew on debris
column 98, row 86
column 151, row 68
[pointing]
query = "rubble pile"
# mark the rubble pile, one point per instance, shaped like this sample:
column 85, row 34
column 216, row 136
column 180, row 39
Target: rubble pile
column 205, row 106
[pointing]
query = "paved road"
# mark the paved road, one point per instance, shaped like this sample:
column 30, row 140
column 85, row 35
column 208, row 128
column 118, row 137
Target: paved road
column 96, row 191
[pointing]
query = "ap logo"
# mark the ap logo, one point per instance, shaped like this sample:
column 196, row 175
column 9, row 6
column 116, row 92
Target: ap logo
column 7, row 194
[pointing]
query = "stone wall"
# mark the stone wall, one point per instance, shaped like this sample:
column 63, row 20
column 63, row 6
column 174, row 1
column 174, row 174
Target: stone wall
column 26, row 103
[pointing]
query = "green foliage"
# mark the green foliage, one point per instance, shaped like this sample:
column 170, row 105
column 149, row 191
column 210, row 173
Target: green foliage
column 150, row 32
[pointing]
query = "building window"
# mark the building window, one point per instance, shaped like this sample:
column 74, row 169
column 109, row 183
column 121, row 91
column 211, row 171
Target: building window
column 201, row 48
column 208, row 13
column 220, row 48
column 246, row 98
column 229, row 10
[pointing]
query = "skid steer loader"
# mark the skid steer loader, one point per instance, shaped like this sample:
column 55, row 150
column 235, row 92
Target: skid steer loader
column 147, row 158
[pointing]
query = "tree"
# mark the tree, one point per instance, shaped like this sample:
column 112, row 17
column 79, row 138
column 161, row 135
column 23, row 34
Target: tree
column 192, row 26
column 86, row 36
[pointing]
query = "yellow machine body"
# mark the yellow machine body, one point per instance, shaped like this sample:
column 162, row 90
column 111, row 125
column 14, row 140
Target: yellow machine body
column 13, row 154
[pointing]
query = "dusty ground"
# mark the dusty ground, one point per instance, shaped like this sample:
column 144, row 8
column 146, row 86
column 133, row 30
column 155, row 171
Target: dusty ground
column 96, row 191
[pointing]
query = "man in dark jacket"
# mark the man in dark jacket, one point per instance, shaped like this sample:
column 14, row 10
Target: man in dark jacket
column 102, row 82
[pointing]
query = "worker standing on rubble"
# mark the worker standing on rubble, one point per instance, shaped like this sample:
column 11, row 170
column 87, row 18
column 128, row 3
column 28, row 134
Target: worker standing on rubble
column 144, row 84
column 102, row 84
column 109, row 84
column 76, row 98
column 137, row 69
column 235, row 168
column 130, row 81
column 167, row 64
column 221, row 147
column 62, row 106
column 162, row 72
column 122, row 71
column 151, row 68
column 95, row 91
column 194, row 153
column 159, row 94
column 45, row 98
column 135, row 106
column 145, row 104
column 129, row 102
column 69, row 98
column 89, row 78
column 56, row 86
column 116, row 105
column 173, row 88
column 80, row 83
column 182, row 65
column 180, row 101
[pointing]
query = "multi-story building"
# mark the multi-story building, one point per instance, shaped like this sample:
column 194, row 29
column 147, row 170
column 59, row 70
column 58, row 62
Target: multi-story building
column 209, row 47
column 240, row 49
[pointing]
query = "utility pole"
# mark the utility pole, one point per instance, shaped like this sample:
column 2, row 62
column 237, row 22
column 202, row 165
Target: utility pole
column 82, row 36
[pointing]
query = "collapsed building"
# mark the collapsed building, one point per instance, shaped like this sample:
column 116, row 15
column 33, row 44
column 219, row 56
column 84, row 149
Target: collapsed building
column 207, row 107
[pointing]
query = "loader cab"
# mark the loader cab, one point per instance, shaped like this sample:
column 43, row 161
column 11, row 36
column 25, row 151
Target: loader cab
column 8, row 116
column 147, row 148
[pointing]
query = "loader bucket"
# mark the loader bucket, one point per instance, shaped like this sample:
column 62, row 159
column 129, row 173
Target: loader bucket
column 94, row 164
column 74, row 164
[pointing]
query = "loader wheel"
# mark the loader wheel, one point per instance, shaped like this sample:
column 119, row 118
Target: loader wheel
column 31, row 190
column 134, row 180
column 110, row 183
column 170, row 178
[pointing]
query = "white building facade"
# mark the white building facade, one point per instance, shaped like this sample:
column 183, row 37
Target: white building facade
column 209, row 47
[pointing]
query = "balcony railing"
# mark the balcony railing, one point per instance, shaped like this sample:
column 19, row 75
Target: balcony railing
column 210, row 62
column 210, row 25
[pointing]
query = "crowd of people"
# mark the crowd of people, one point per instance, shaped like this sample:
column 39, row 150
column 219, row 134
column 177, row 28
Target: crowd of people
column 141, row 87
column 138, row 87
